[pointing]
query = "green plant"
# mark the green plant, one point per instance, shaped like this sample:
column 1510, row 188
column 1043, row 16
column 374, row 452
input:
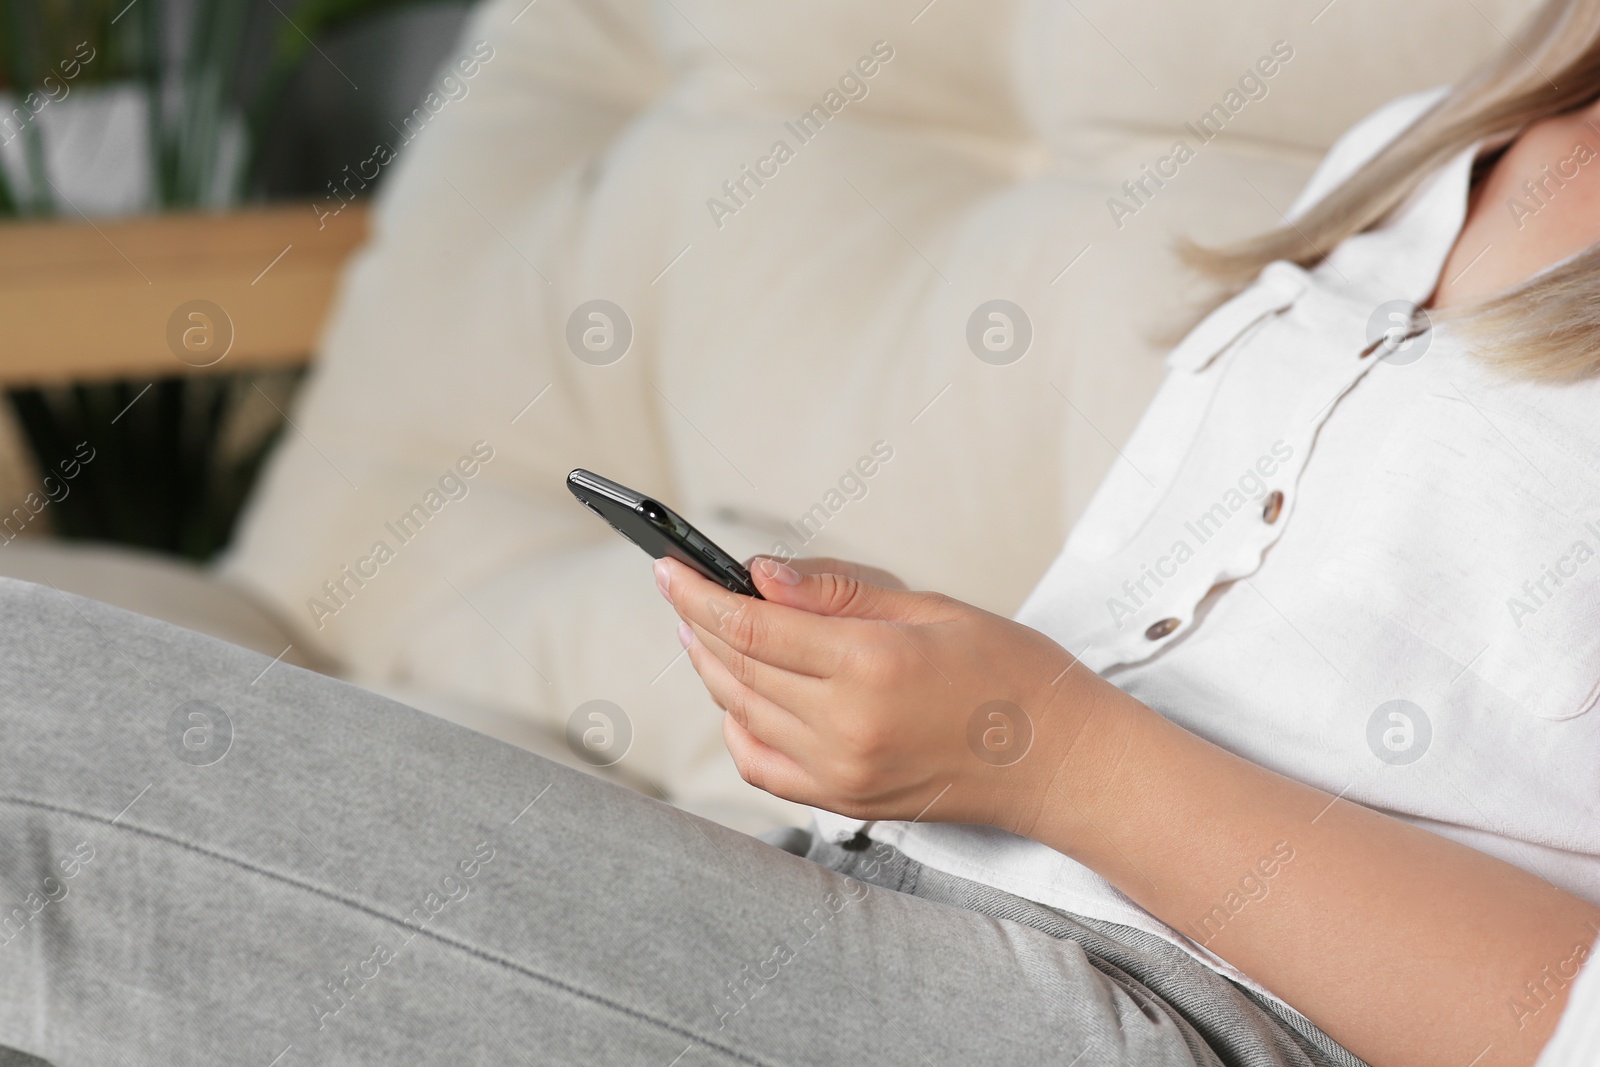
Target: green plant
column 192, row 87
column 36, row 38
column 186, row 127
column 294, row 38
column 170, row 473
column 162, row 477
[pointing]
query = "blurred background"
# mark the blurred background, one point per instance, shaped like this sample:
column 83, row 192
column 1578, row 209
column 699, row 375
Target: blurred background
column 190, row 185
column 147, row 111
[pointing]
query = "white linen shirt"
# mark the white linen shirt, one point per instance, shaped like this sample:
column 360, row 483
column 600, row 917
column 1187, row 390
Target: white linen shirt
column 1414, row 625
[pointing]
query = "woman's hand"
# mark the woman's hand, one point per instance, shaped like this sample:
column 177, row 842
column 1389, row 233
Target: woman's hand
column 849, row 694
column 885, row 704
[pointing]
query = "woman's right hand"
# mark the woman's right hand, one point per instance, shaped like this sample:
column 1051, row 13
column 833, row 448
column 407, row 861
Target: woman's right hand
column 874, row 701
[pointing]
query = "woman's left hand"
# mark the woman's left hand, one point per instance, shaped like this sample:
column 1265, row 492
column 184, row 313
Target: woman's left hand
column 876, row 702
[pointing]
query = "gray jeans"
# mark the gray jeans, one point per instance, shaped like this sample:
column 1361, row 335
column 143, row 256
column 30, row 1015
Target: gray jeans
column 205, row 859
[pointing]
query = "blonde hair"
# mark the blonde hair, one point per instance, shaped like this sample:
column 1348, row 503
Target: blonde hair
column 1545, row 327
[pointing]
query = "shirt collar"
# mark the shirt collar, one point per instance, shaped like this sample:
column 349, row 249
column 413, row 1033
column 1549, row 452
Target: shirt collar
column 1402, row 258
column 1398, row 260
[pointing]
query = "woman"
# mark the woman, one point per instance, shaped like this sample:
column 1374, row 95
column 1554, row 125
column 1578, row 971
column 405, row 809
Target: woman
column 1289, row 758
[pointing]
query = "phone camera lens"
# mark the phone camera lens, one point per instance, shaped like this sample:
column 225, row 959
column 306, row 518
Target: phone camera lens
column 653, row 512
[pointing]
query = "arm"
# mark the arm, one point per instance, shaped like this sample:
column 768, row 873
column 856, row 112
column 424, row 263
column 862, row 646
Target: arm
column 1403, row 946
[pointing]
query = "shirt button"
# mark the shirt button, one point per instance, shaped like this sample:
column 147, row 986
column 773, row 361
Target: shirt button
column 1158, row 630
column 1273, row 507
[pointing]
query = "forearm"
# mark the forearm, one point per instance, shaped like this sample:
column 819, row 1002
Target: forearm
column 1405, row 947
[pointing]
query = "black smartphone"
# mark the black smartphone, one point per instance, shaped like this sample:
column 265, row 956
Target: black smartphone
column 659, row 530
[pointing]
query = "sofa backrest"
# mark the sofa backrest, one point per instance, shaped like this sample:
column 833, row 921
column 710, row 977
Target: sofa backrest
column 772, row 351
column 951, row 68
column 1080, row 73
column 1089, row 68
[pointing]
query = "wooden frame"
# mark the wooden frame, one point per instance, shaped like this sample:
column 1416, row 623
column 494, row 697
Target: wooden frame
column 83, row 300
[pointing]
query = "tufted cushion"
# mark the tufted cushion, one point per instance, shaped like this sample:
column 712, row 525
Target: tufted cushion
column 818, row 316
column 1092, row 68
column 951, row 68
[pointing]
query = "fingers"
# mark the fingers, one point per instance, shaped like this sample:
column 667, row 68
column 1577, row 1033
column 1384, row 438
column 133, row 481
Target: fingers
column 835, row 594
column 782, row 637
column 750, row 709
column 796, row 693
column 764, row 766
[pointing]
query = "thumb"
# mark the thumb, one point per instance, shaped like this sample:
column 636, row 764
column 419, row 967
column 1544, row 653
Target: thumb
column 829, row 593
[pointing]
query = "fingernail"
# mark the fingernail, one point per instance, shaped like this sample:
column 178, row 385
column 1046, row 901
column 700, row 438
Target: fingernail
column 778, row 571
column 663, row 580
column 685, row 634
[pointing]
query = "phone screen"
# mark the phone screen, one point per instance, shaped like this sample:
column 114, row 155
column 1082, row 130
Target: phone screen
column 659, row 530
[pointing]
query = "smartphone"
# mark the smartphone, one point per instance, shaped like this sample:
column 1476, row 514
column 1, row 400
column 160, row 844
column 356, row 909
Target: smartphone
column 659, row 530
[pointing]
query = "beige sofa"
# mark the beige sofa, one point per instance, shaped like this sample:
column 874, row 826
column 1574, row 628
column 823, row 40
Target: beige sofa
column 794, row 317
